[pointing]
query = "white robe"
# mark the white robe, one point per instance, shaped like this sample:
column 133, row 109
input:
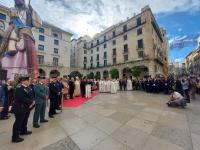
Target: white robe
column 107, row 86
column 101, row 86
column 113, row 87
column 129, row 85
column 88, row 91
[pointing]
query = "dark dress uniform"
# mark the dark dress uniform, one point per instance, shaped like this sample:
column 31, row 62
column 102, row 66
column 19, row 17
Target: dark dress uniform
column 83, row 86
column 23, row 100
column 71, row 88
column 54, row 98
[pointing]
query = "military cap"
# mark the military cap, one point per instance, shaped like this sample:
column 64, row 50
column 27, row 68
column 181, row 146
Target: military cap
column 23, row 78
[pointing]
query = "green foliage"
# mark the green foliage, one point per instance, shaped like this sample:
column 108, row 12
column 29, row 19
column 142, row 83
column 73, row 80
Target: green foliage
column 136, row 71
column 76, row 74
column 90, row 75
column 114, row 73
column 97, row 76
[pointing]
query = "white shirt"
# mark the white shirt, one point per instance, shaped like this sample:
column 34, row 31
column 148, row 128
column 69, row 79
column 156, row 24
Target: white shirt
column 176, row 96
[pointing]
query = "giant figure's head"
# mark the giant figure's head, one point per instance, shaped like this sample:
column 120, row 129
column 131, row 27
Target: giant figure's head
column 20, row 3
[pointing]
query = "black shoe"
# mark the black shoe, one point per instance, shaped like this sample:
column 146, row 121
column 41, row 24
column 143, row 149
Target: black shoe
column 17, row 140
column 58, row 108
column 51, row 116
column 26, row 133
column 36, row 125
column 43, row 121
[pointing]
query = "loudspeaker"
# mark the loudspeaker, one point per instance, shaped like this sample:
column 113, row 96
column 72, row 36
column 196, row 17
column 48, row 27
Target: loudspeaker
column 3, row 74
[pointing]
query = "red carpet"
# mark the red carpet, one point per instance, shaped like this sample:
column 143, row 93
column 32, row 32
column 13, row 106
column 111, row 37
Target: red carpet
column 77, row 101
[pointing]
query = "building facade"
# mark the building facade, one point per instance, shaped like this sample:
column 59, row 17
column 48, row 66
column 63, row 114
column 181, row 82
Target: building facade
column 52, row 43
column 138, row 41
column 192, row 60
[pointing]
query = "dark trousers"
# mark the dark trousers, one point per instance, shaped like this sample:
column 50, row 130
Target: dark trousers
column 4, row 113
column 124, row 87
column 25, row 122
column 186, row 93
column 71, row 93
column 39, row 112
column 83, row 92
column 19, row 119
column 52, row 108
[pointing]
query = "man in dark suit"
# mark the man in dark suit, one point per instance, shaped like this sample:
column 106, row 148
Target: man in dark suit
column 21, row 108
column 71, row 88
column 83, row 86
column 41, row 95
column 2, row 97
column 54, row 95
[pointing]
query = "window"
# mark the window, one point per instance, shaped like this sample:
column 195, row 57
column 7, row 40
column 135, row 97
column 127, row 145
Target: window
column 40, row 59
column 114, row 61
column 85, row 59
column 140, row 43
column 97, row 49
column 56, row 50
column 140, row 54
column 139, row 21
column 91, row 51
column 91, row 65
column 104, row 38
column 105, row 62
column 139, row 31
column 126, row 48
column 114, row 51
column 105, row 45
column 84, row 66
column 125, row 37
column 56, row 42
column 114, row 34
column 2, row 25
column 41, row 30
column 41, row 47
column 84, row 45
column 97, row 64
column 105, row 55
column 97, row 42
column 2, row 16
column 55, row 35
column 55, row 61
column 85, row 51
column 125, row 57
column 125, row 28
column 97, row 57
column 91, row 58
column 91, row 45
column 114, row 42
column 41, row 37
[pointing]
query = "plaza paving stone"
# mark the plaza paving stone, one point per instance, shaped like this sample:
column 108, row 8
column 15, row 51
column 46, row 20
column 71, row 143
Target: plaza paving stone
column 132, row 120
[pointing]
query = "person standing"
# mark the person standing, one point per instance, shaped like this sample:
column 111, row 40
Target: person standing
column 41, row 96
column 71, row 88
column 129, row 84
column 22, row 105
column 185, row 85
column 77, row 91
column 2, row 97
column 53, row 96
column 4, row 113
column 83, row 87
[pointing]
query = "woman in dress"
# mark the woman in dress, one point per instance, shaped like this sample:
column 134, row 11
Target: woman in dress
column 77, row 91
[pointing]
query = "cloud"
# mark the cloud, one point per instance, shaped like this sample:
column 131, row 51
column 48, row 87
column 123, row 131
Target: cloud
column 180, row 29
column 92, row 16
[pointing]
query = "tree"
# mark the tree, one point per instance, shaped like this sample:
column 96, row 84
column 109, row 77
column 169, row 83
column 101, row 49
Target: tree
column 90, row 75
column 114, row 73
column 76, row 74
column 136, row 71
column 97, row 76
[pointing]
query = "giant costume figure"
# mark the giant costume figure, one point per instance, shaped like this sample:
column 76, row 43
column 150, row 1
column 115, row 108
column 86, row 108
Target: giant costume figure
column 17, row 51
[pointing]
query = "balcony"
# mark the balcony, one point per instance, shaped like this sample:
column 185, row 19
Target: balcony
column 50, row 64
column 114, row 55
column 140, row 47
column 125, row 52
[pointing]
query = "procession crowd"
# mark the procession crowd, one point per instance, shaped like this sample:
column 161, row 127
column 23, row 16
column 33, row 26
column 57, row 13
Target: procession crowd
column 36, row 94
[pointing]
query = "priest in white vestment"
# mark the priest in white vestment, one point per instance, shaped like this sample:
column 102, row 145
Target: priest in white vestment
column 129, row 85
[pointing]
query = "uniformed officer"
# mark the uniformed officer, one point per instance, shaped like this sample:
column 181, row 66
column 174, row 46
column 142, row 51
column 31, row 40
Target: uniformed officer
column 21, row 108
column 41, row 96
column 54, row 95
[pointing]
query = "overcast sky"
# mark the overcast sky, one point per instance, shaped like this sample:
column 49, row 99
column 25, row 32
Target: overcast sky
column 92, row 16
